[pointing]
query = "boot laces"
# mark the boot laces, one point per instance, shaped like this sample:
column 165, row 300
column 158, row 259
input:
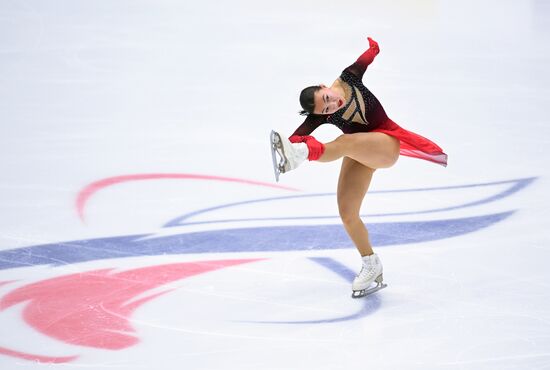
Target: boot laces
column 367, row 271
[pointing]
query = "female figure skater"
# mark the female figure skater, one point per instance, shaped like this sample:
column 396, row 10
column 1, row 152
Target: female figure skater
column 370, row 141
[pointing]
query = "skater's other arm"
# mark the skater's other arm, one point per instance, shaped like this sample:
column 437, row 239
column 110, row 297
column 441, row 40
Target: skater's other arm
column 309, row 125
column 360, row 66
column 302, row 135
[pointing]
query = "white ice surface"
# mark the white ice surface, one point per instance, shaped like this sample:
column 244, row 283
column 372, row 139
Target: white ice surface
column 92, row 90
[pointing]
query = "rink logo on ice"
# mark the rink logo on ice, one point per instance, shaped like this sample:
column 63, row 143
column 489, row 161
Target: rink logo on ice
column 314, row 232
column 92, row 309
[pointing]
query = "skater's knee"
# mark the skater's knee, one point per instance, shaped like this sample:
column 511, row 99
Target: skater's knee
column 349, row 214
column 389, row 158
column 389, row 152
column 393, row 152
column 344, row 139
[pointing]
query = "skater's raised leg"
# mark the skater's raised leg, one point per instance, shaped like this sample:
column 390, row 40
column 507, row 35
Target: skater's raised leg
column 372, row 149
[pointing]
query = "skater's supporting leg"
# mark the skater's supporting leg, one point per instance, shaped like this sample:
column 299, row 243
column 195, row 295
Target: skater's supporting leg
column 372, row 149
column 353, row 184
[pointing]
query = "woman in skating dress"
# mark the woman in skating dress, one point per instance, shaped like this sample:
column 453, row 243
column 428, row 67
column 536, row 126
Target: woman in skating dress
column 370, row 141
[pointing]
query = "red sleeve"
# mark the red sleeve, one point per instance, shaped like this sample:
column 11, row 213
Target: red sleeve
column 360, row 66
column 301, row 135
column 309, row 125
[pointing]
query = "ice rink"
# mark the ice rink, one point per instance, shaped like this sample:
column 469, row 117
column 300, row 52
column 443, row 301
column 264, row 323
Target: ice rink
column 141, row 226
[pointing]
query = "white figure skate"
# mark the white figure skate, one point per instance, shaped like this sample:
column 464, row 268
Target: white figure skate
column 291, row 155
column 371, row 272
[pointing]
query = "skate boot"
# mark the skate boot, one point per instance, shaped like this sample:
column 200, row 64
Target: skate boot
column 291, row 154
column 371, row 272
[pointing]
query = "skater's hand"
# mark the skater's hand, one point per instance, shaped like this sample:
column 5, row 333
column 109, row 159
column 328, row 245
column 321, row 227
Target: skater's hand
column 297, row 139
column 316, row 148
column 368, row 56
column 373, row 46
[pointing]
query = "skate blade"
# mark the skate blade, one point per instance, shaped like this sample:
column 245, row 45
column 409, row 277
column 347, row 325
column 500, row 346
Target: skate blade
column 276, row 149
column 367, row 292
column 273, row 145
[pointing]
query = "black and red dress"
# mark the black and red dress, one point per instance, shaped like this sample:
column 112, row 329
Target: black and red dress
column 362, row 112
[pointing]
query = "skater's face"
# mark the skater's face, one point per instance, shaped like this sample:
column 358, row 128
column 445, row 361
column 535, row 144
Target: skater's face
column 327, row 101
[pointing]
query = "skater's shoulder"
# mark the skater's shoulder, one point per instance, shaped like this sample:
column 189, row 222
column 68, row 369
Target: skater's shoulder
column 352, row 75
column 315, row 118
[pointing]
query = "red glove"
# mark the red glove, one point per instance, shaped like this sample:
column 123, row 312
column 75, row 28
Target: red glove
column 316, row 148
column 368, row 56
column 373, row 45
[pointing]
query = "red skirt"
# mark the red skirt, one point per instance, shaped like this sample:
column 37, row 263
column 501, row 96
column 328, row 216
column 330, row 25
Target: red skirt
column 413, row 145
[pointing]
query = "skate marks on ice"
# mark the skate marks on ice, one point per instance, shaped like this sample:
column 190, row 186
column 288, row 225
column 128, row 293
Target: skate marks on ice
column 283, row 237
column 254, row 239
column 367, row 306
column 116, row 326
column 92, row 311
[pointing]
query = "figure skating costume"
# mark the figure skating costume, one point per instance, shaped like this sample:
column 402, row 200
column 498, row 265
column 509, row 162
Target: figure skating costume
column 362, row 112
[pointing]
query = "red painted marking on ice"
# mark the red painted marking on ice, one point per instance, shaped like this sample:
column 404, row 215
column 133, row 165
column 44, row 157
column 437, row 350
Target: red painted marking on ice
column 93, row 308
column 36, row 358
column 85, row 194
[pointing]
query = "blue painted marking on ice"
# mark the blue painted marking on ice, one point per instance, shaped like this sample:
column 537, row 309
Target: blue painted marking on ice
column 515, row 186
column 179, row 220
column 257, row 239
column 370, row 304
column 73, row 252
column 336, row 267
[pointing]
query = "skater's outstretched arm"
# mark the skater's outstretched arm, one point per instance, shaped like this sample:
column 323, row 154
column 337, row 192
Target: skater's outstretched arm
column 360, row 66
